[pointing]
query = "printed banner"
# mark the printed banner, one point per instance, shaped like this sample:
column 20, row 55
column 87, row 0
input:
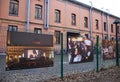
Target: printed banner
column 29, row 39
column 108, row 49
column 80, row 49
column 35, row 52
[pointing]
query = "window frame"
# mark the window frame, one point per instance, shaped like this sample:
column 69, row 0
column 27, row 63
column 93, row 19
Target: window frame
column 112, row 29
column 105, row 26
column 37, row 30
column 14, row 8
column 112, row 38
column 118, row 28
column 86, row 22
column 97, row 24
column 73, row 19
column 38, row 11
column 105, row 37
column 87, row 35
column 12, row 28
column 57, row 37
column 57, row 16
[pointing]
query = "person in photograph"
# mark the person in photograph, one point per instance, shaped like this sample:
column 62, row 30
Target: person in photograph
column 113, row 44
column 84, row 50
column 105, row 51
column 88, row 48
column 32, row 54
column 35, row 53
column 70, row 45
column 110, row 49
column 75, row 56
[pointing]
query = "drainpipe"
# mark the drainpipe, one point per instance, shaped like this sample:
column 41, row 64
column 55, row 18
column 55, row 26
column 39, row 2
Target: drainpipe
column 46, row 15
column 108, row 24
column 90, row 19
column 28, row 16
column 102, row 23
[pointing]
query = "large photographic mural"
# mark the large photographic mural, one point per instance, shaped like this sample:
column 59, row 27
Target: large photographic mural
column 80, row 49
column 108, row 49
column 28, row 50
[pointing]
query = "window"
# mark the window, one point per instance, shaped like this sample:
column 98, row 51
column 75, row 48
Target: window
column 105, row 37
column 112, row 38
column 57, row 37
column 12, row 28
column 38, row 12
column 85, row 22
column 13, row 7
column 57, row 16
column 105, row 26
column 37, row 31
column 97, row 24
column 86, row 35
column 118, row 29
column 112, row 28
column 73, row 19
column 97, row 36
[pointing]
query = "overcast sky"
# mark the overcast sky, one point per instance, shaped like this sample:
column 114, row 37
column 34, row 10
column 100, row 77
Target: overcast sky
column 112, row 5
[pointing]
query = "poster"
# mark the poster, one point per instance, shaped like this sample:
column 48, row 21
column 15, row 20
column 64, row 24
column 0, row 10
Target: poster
column 80, row 49
column 29, row 50
column 108, row 49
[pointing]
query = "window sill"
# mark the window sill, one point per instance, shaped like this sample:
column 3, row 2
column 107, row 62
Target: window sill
column 13, row 15
column 57, row 22
column 38, row 18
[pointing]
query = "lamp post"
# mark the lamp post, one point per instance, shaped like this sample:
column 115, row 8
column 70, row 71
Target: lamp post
column 117, row 51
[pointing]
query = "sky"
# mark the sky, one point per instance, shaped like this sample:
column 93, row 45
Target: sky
column 111, row 6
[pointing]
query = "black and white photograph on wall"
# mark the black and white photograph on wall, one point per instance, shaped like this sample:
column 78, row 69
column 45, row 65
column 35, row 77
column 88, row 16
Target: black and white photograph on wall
column 108, row 49
column 80, row 49
column 30, row 58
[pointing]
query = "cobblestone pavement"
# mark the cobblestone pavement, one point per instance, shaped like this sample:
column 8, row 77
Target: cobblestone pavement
column 105, row 75
column 72, row 72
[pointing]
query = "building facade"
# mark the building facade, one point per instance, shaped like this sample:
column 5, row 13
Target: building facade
column 55, row 17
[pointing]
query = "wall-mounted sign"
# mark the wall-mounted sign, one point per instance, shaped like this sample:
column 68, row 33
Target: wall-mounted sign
column 28, row 50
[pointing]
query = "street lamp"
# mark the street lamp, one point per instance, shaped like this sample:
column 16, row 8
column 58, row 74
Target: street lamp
column 117, row 51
